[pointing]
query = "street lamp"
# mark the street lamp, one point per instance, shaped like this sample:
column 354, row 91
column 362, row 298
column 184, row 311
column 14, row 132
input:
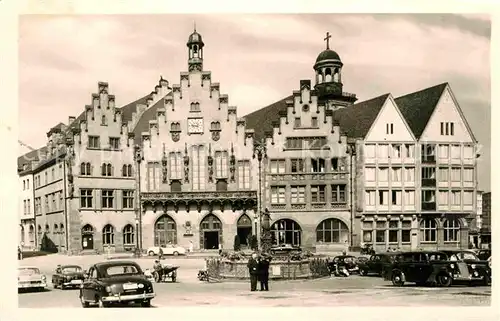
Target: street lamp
column 138, row 157
column 259, row 151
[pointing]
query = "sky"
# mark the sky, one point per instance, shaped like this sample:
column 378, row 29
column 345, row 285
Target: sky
column 257, row 59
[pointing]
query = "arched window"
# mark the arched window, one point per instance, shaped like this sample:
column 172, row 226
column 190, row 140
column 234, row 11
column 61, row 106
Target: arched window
column 39, row 232
column 428, row 230
column 165, row 231
column 85, row 169
column 104, row 121
column 22, row 234
column 127, row 171
column 451, row 230
column 128, row 235
column 328, row 75
column 47, row 229
column 31, row 234
column 210, row 232
column 286, row 231
column 56, row 228
column 108, row 235
column 332, row 230
column 336, row 75
column 88, row 229
column 61, row 228
column 106, row 169
column 175, row 127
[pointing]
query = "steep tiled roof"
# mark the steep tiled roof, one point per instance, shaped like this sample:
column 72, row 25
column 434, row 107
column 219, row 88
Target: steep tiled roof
column 27, row 158
column 143, row 123
column 355, row 121
column 418, row 107
column 130, row 108
column 261, row 120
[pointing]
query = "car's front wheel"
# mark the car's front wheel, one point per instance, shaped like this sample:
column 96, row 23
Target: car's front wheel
column 146, row 304
column 151, row 253
column 176, row 253
column 362, row 272
column 397, row 279
column 443, row 280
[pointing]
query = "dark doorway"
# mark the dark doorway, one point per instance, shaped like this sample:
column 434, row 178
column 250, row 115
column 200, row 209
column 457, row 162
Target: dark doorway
column 87, row 242
column 211, row 240
column 221, row 185
column 244, row 229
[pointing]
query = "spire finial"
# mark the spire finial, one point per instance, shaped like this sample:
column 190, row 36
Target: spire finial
column 327, row 39
column 194, row 26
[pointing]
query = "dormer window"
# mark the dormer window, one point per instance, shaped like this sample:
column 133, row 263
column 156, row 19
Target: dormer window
column 195, row 107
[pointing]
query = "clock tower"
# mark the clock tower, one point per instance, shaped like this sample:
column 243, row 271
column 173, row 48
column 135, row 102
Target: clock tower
column 195, row 45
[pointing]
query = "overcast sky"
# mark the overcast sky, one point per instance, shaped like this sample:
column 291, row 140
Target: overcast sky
column 258, row 59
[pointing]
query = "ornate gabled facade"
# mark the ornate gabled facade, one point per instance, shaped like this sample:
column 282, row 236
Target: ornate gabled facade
column 179, row 166
column 306, row 175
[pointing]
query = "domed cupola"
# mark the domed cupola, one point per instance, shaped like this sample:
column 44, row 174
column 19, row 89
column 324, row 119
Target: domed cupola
column 328, row 69
column 195, row 45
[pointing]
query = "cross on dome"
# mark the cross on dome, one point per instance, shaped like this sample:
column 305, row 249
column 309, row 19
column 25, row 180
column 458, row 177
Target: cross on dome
column 327, row 39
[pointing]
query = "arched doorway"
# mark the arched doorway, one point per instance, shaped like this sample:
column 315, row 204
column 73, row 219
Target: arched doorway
column 165, row 231
column 210, row 232
column 22, row 235
column 332, row 230
column 244, row 229
column 286, row 231
column 88, row 237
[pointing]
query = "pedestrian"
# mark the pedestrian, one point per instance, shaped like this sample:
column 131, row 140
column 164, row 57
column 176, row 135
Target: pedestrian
column 264, row 273
column 19, row 253
column 160, row 253
column 253, row 269
column 191, row 247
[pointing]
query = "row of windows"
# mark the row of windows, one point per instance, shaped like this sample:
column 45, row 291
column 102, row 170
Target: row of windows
column 297, row 123
column 302, row 143
column 396, row 151
column 27, row 207
column 94, row 142
column 86, row 169
column 108, row 234
column 397, row 174
column 317, row 194
column 56, row 173
column 455, row 174
column 449, row 197
column 108, row 198
column 393, row 232
column 397, row 197
column 309, row 165
column 199, row 168
column 51, row 202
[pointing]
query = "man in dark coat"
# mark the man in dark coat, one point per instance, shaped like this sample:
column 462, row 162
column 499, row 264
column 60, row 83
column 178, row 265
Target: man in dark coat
column 253, row 268
column 264, row 273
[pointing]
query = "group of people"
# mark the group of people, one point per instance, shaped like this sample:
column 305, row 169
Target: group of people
column 258, row 266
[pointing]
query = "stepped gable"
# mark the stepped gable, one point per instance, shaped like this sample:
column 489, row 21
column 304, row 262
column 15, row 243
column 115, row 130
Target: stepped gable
column 261, row 121
column 357, row 119
column 417, row 107
column 143, row 122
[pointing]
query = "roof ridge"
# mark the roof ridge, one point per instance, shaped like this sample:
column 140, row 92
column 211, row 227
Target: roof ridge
column 423, row 90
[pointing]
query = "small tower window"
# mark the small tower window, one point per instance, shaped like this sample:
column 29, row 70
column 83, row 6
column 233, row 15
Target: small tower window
column 336, row 75
column 328, row 75
column 195, row 107
column 195, row 49
column 104, row 121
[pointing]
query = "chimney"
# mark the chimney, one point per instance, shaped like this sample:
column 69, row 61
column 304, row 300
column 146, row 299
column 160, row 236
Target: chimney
column 71, row 119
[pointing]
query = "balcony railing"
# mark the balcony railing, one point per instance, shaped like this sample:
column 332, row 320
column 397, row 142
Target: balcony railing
column 428, row 182
column 428, row 206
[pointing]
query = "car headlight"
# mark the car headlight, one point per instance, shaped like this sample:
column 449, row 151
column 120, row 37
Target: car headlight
column 473, row 266
column 44, row 278
column 452, row 265
column 140, row 286
column 108, row 289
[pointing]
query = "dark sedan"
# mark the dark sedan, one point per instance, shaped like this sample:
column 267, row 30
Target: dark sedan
column 470, row 265
column 376, row 263
column 350, row 262
column 107, row 283
column 68, row 276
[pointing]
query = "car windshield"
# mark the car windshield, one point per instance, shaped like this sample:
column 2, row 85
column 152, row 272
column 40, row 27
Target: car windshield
column 116, row 270
column 437, row 257
column 28, row 271
column 463, row 256
column 70, row 269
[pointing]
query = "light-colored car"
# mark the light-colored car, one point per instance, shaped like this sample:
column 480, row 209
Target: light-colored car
column 30, row 277
column 167, row 250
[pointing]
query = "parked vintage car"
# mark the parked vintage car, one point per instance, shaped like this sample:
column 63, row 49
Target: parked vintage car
column 349, row 261
column 116, row 282
column 376, row 263
column 67, row 276
column 284, row 249
column 30, row 277
column 428, row 268
column 168, row 249
column 473, row 265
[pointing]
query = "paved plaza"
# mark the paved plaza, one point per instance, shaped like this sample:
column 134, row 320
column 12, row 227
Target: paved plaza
column 188, row 291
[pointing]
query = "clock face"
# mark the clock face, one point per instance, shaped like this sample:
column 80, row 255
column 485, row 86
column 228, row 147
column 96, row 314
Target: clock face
column 195, row 125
